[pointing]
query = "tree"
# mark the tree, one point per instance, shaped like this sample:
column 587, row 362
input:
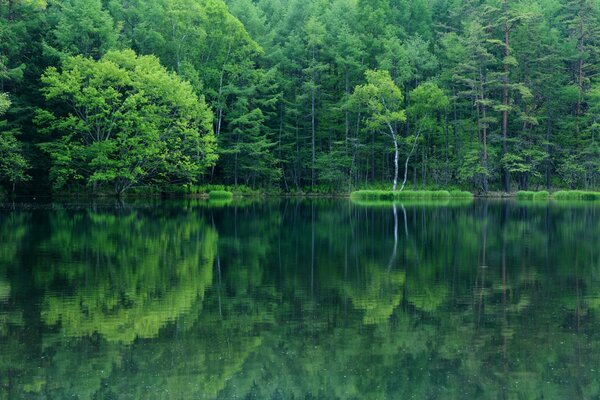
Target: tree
column 13, row 166
column 83, row 28
column 384, row 101
column 315, row 32
column 124, row 121
column 471, row 75
column 246, row 145
column 427, row 101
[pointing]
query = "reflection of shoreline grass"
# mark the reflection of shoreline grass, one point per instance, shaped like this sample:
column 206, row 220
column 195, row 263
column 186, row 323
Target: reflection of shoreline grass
column 562, row 195
column 218, row 203
column 386, row 195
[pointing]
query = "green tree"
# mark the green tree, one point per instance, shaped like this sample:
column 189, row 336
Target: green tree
column 13, row 166
column 83, row 27
column 474, row 61
column 428, row 101
column 124, row 121
column 384, row 101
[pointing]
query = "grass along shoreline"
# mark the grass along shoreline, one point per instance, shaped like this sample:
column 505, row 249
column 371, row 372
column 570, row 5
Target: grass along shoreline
column 226, row 192
column 410, row 195
column 544, row 195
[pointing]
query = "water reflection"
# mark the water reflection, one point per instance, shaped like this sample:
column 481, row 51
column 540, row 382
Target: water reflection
column 296, row 299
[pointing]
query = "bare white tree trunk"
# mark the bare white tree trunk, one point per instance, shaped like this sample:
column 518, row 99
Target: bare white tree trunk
column 414, row 146
column 396, row 156
column 395, row 249
column 395, row 163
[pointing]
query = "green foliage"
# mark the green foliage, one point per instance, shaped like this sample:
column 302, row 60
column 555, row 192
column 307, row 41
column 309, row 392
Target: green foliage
column 124, row 121
column 409, row 194
column 423, row 194
column 383, row 99
column 13, row 165
column 82, row 28
column 525, row 195
column 460, row 194
column 559, row 195
column 220, row 195
column 236, row 190
column 576, row 195
column 305, row 96
column 372, row 195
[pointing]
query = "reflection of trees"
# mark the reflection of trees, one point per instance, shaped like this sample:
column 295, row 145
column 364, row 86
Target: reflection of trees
column 379, row 295
column 192, row 364
column 13, row 228
column 476, row 302
column 313, row 300
column 106, row 278
column 127, row 276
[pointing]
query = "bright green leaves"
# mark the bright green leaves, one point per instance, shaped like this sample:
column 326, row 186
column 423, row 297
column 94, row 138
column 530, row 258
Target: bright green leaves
column 4, row 103
column 124, row 121
column 427, row 100
column 13, row 166
column 383, row 99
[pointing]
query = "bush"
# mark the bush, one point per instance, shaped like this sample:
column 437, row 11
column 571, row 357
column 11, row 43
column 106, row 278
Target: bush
column 525, row 195
column 542, row 195
column 241, row 190
column 220, row 195
column 408, row 195
column 564, row 195
column 372, row 195
column 461, row 194
column 590, row 196
column 440, row 194
column 576, row 195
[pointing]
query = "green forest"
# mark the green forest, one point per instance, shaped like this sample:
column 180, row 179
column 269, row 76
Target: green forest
column 299, row 96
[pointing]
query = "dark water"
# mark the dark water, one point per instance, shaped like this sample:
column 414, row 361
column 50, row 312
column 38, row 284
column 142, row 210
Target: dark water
column 300, row 299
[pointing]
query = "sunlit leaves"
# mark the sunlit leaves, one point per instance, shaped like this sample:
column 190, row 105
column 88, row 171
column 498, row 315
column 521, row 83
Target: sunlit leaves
column 126, row 121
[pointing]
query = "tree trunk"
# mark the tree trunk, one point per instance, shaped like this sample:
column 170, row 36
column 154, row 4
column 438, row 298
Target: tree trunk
column 484, row 161
column 396, row 164
column 447, row 165
column 414, row 146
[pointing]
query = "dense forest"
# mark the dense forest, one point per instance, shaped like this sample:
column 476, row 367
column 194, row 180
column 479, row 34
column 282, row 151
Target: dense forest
column 299, row 95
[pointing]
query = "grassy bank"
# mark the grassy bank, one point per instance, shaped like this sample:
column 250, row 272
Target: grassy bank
column 220, row 195
column 530, row 195
column 559, row 195
column 409, row 195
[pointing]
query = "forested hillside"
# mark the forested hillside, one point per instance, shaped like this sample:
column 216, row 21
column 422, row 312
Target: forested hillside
column 299, row 95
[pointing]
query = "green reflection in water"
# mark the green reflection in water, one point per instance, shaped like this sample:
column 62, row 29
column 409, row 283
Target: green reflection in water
column 300, row 299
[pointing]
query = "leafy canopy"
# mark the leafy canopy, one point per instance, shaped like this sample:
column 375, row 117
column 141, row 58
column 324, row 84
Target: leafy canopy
column 124, row 120
column 383, row 99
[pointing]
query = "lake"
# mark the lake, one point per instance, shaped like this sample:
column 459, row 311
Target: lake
column 299, row 299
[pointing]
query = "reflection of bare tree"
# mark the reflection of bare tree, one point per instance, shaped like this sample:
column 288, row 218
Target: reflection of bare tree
column 405, row 220
column 394, row 252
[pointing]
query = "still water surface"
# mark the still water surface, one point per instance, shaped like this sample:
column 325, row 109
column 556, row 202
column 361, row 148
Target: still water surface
column 289, row 299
